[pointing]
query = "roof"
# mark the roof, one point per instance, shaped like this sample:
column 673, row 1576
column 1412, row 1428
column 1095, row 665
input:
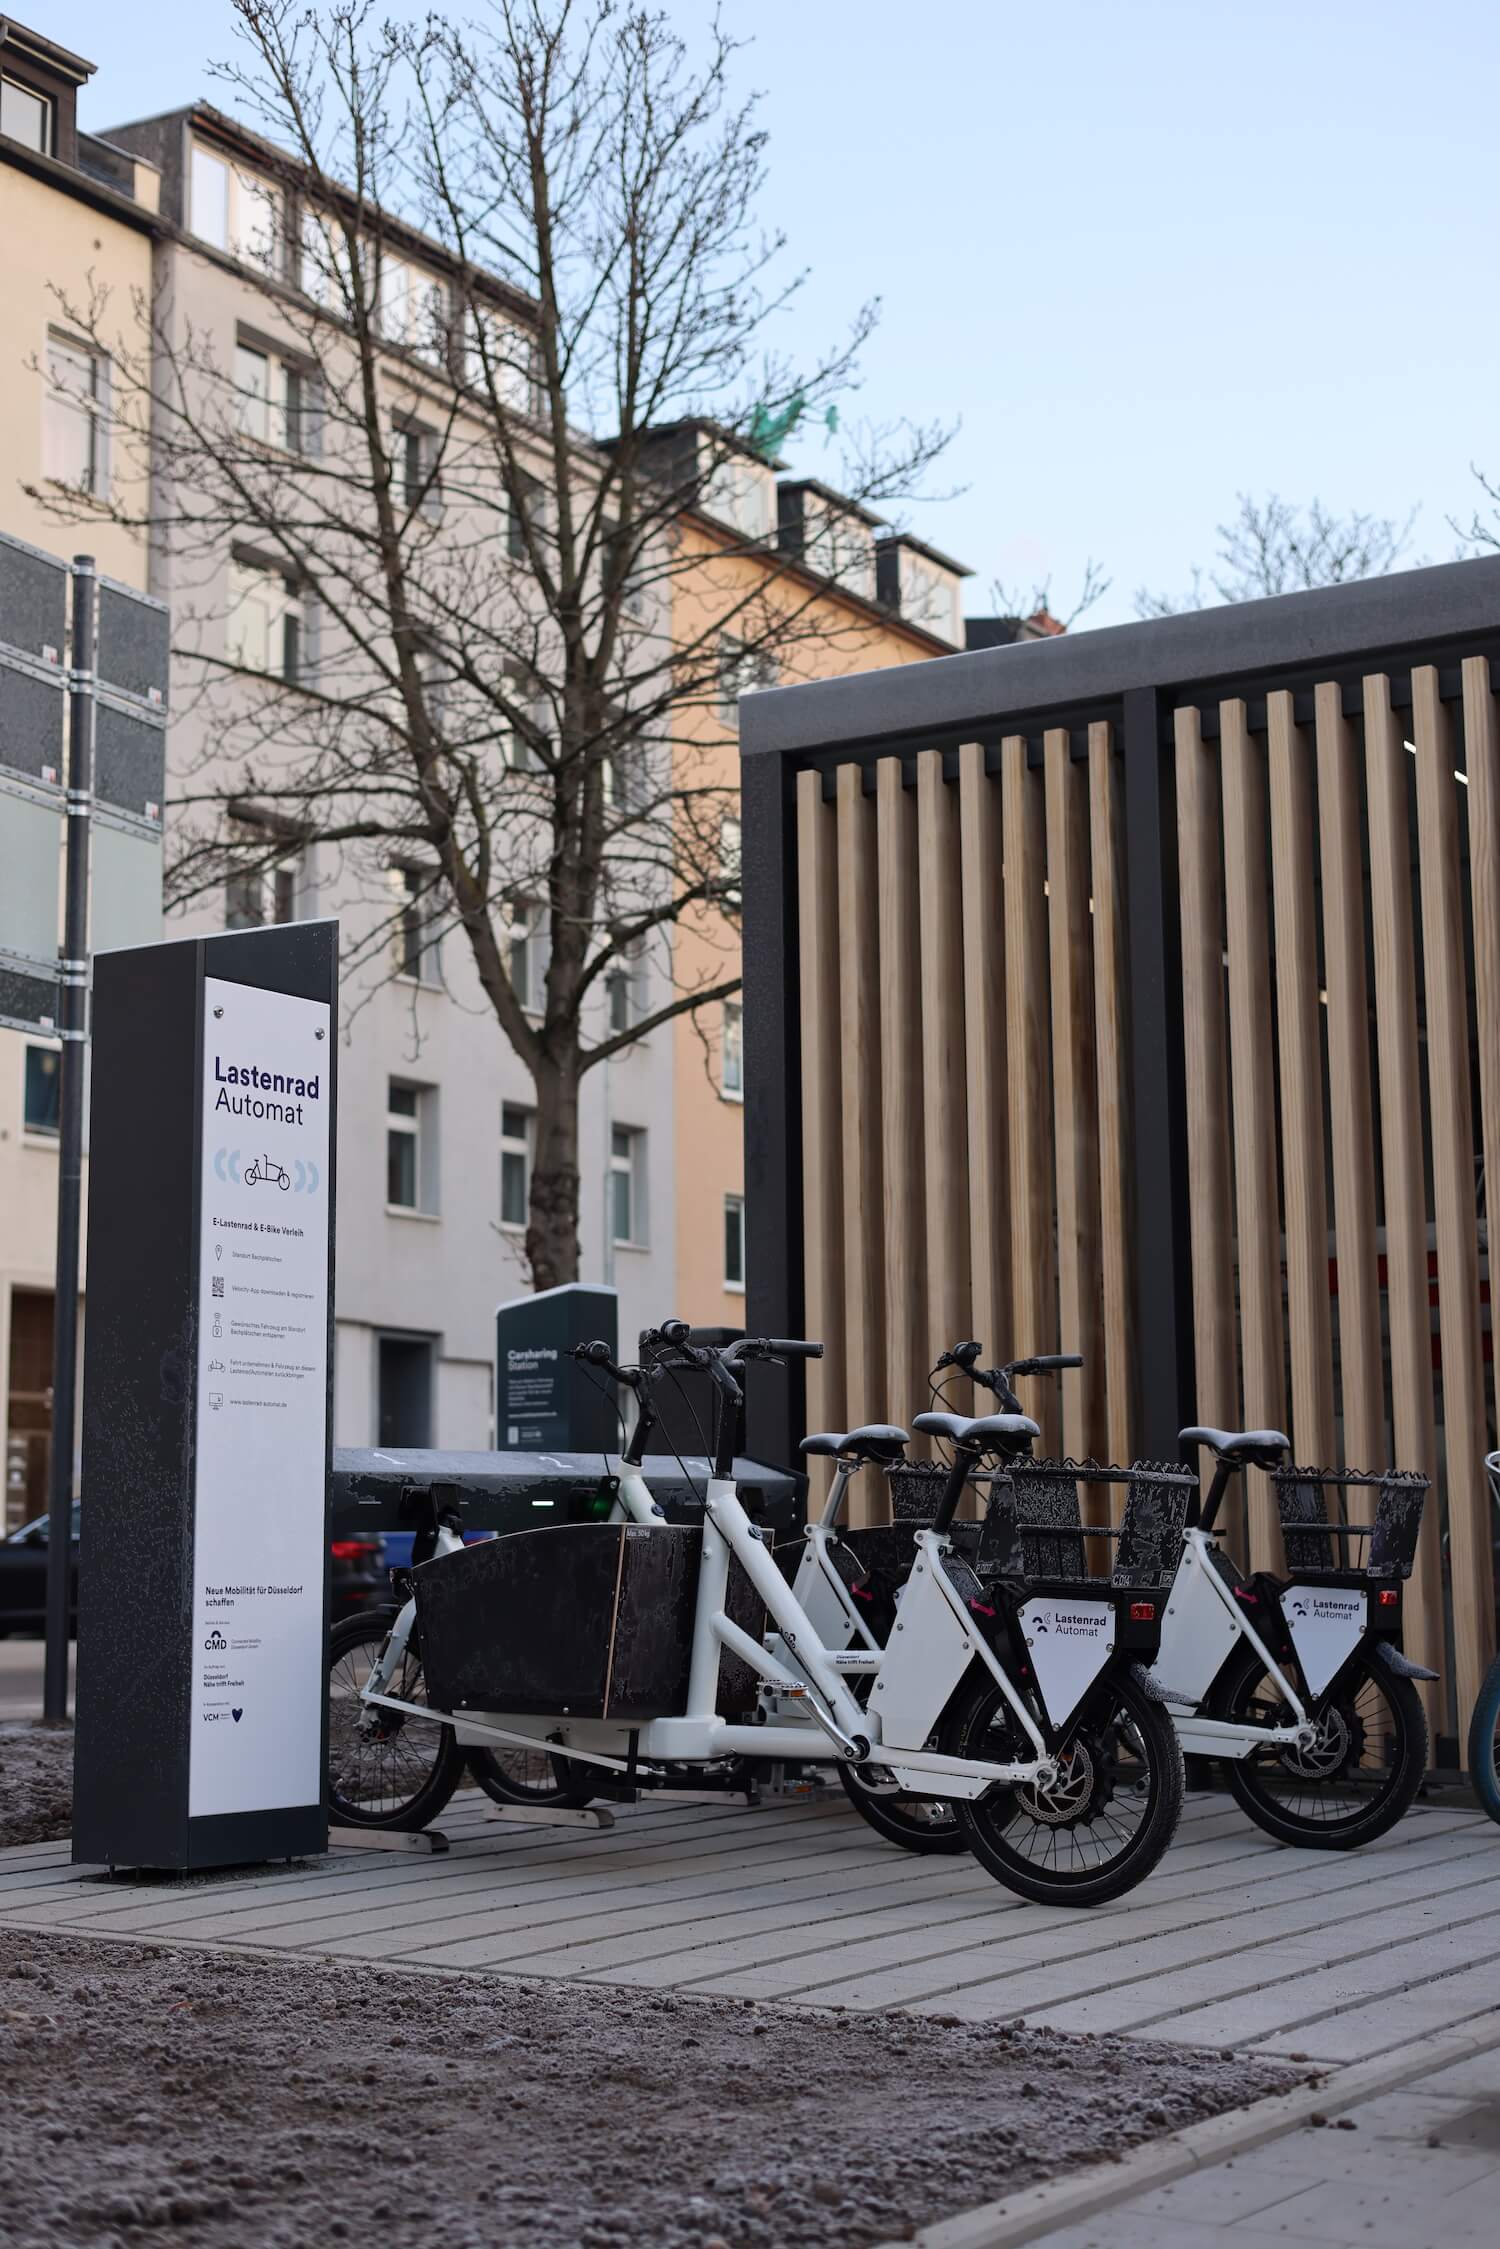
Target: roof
column 650, row 431
column 839, row 500
column 59, row 59
column 931, row 554
column 203, row 117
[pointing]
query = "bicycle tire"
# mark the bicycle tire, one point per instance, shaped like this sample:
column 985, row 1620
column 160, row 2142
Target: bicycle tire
column 402, row 1780
column 571, row 1787
column 1249, row 1779
column 981, row 1726
column 936, row 1833
column 1484, row 1747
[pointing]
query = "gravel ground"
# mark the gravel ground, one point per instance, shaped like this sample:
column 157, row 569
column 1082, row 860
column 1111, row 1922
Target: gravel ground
column 36, row 1783
column 166, row 2095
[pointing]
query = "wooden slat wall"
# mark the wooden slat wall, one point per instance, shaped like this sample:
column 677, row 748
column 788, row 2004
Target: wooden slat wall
column 1351, row 1117
column 944, row 1095
column 1075, row 1096
column 966, row 1119
column 1112, row 1062
column 1033, row 1322
column 982, row 849
column 859, row 1041
column 822, row 1161
column 1300, row 1058
column 901, row 1114
column 1400, row 1079
column 1253, row 1105
column 1450, row 1105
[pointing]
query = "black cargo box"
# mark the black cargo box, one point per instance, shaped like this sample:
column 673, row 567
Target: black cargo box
column 582, row 1620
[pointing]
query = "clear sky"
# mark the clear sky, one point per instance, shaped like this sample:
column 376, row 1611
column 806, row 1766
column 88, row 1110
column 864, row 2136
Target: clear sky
column 1153, row 252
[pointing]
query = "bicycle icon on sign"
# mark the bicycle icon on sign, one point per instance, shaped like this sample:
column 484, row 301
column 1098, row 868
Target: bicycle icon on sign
column 265, row 1168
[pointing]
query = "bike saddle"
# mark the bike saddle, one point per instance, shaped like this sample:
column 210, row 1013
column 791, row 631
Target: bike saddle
column 1240, row 1448
column 993, row 1432
column 877, row 1440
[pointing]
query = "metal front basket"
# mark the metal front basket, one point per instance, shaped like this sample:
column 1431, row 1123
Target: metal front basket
column 916, row 1488
column 1321, row 1542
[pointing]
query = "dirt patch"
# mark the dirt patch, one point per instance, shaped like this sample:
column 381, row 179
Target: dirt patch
column 230, row 2100
column 36, row 1784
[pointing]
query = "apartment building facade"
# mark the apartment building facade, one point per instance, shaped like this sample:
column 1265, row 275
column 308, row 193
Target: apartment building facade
column 436, row 1112
column 854, row 597
column 75, row 216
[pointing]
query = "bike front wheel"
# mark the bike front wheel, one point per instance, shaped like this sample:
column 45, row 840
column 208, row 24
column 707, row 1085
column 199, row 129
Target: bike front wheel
column 1484, row 1742
column 1103, row 1824
column 532, row 1776
column 385, row 1767
column 1359, row 1775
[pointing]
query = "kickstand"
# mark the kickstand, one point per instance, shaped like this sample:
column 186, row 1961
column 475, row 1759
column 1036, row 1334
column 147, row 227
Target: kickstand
column 430, row 1841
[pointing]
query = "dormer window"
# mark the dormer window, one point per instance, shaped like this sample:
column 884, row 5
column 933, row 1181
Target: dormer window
column 25, row 116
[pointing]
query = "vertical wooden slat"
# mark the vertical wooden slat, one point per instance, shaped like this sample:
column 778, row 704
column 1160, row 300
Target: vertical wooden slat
column 1252, row 1066
column 1112, row 1063
column 1482, row 764
column 1451, row 1107
column 1074, row 1097
column 1205, row 1037
column 982, row 851
column 1300, row 1054
column 903, row 1217
column 944, row 1098
column 859, row 1042
column 1033, row 1325
column 1400, row 1078
column 1352, row 1133
column 822, row 1147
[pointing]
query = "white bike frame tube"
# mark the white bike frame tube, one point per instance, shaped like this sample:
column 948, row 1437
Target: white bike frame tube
column 1199, row 1544
column 833, row 1507
column 736, row 1534
column 936, row 1546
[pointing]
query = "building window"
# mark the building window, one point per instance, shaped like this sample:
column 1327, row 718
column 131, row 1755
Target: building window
column 269, row 619
column 25, row 116
column 530, row 953
column 272, row 400
column 734, row 1241
column 531, row 511
column 411, row 1147
column 729, row 863
column 517, row 1137
column 625, row 990
column 732, row 1052
column 39, row 1111
column 75, row 417
column 417, row 468
column 256, row 897
column 416, row 938
column 627, row 1185
column 743, row 670
column 404, row 1392
column 235, row 211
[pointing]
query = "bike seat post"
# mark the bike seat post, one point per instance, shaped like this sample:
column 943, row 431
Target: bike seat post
column 834, row 1505
column 953, row 1490
column 1215, row 1500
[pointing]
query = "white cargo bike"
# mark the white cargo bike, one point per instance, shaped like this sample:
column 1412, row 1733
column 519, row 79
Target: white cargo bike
column 633, row 1654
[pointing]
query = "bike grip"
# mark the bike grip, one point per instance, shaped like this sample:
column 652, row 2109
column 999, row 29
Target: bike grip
column 597, row 1354
column 1053, row 1362
column 674, row 1331
column 780, row 1347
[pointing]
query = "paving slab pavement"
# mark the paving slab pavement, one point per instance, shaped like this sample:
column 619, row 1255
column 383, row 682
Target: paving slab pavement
column 1233, row 1942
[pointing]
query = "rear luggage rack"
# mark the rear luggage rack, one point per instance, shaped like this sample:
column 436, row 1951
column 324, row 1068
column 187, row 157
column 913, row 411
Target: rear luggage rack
column 1319, row 1547
column 1033, row 1526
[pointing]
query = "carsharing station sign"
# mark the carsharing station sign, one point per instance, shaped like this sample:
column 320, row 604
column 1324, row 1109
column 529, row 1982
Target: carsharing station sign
column 262, row 1403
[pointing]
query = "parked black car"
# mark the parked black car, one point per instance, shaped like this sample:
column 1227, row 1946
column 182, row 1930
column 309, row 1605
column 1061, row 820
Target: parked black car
column 356, row 1576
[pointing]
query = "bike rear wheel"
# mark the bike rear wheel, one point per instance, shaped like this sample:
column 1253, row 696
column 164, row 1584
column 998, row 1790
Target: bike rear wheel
column 929, row 1825
column 1360, row 1774
column 1105, row 1822
column 385, row 1768
column 1484, row 1742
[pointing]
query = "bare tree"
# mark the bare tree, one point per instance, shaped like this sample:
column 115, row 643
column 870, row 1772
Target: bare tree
column 1272, row 547
column 475, row 485
column 1009, row 601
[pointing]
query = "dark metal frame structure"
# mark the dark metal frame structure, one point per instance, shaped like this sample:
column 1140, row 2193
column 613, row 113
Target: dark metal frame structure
column 1133, row 676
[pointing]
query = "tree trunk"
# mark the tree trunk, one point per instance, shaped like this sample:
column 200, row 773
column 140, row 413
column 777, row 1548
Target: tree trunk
column 552, row 1228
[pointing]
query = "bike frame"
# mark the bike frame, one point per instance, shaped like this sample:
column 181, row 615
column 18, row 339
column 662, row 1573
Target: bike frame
column 1199, row 1630
column 940, row 1642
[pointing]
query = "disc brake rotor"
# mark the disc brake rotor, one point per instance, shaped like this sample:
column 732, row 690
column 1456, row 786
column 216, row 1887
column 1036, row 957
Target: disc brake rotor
column 1338, row 1746
column 1079, row 1788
